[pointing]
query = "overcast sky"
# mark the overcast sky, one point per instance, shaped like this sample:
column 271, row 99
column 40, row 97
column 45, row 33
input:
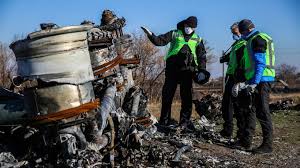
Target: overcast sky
column 278, row 18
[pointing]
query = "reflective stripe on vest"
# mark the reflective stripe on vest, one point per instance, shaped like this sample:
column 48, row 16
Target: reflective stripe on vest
column 233, row 64
column 249, row 60
column 178, row 42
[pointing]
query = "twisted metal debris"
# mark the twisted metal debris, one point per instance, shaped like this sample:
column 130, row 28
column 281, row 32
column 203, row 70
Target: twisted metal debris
column 84, row 109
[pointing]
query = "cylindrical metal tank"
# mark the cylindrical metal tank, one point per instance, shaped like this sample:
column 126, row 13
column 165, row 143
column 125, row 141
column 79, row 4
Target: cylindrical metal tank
column 60, row 58
column 58, row 54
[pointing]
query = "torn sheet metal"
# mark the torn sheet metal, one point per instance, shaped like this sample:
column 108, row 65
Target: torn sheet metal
column 107, row 107
column 12, row 109
column 98, row 56
column 52, row 99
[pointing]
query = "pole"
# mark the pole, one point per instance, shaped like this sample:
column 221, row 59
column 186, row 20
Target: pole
column 223, row 76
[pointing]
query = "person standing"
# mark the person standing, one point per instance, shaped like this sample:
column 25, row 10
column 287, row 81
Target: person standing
column 186, row 55
column 259, row 66
column 233, row 76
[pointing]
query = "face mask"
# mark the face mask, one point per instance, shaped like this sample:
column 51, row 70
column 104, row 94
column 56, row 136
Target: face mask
column 188, row 30
column 236, row 37
column 244, row 35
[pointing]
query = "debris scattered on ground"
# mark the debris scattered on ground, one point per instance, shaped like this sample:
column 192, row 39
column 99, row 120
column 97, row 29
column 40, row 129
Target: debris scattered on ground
column 209, row 106
column 107, row 123
column 284, row 105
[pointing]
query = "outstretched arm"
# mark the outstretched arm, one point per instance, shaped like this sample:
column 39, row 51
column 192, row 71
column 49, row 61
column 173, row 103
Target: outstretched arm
column 162, row 39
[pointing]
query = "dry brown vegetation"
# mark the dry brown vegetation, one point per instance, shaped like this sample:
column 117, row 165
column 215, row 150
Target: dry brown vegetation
column 8, row 65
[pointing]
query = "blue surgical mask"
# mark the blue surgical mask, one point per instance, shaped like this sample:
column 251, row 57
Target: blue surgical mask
column 236, row 37
column 244, row 37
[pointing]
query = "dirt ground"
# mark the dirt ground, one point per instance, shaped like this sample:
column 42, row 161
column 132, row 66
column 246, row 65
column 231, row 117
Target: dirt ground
column 286, row 153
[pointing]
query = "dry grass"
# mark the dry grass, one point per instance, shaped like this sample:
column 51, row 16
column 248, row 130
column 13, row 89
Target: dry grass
column 282, row 96
column 176, row 106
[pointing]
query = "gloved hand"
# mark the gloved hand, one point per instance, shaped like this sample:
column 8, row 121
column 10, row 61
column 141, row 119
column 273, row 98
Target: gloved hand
column 201, row 76
column 237, row 88
column 251, row 88
column 224, row 59
column 147, row 31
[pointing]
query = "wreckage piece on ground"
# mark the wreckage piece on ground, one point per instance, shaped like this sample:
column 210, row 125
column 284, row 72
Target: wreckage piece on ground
column 55, row 55
column 54, row 68
column 80, row 106
column 56, row 64
column 209, row 106
column 65, row 73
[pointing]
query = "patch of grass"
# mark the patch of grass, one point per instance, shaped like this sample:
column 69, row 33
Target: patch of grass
column 286, row 126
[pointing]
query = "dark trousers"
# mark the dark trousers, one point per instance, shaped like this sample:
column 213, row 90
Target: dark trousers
column 230, row 106
column 172, row 78
column 241, row 108
column 261, row 111
column 227, row 106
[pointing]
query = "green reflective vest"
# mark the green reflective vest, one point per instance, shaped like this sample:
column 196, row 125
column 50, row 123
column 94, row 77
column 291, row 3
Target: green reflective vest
column 249, row 62
column 233, row 64
column 178, row 42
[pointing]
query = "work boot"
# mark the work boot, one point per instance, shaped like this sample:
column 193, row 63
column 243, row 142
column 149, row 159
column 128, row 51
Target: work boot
column 187, row 126
column 240, row 145
column 163, row 122
column 225, row 134
column 172, row 123
column 168, row 123
column 263, row 148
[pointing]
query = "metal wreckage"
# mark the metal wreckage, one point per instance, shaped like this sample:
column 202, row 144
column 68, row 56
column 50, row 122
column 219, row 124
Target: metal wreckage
column 79, row 106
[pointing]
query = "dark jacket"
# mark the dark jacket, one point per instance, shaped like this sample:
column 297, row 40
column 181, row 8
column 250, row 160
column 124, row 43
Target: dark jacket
column 239, row 74
column 184, row 58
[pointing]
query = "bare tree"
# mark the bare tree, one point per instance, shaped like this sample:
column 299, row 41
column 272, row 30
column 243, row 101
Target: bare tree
column 210, row 57
column 288, row 73
column 152, row 64
column 8, row 65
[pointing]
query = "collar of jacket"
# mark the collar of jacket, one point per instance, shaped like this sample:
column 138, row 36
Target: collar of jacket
column 234, row 43
column 251, row 34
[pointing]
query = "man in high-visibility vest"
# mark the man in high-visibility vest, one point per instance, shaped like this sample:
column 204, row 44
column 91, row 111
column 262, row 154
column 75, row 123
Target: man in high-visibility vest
column 233, row 75
column 186, row 55
column 259, row 62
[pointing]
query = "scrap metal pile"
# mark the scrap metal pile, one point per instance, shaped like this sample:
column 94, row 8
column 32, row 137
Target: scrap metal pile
column 284, row 105
column 79, row 106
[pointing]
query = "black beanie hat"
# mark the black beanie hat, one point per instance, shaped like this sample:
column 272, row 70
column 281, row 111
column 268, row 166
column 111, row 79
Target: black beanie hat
column 245, row 24
column 191, row 21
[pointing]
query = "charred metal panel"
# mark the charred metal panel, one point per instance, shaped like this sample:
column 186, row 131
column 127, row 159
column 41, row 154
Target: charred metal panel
column 57, row 98
column 11, row 107
column 99, row 57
